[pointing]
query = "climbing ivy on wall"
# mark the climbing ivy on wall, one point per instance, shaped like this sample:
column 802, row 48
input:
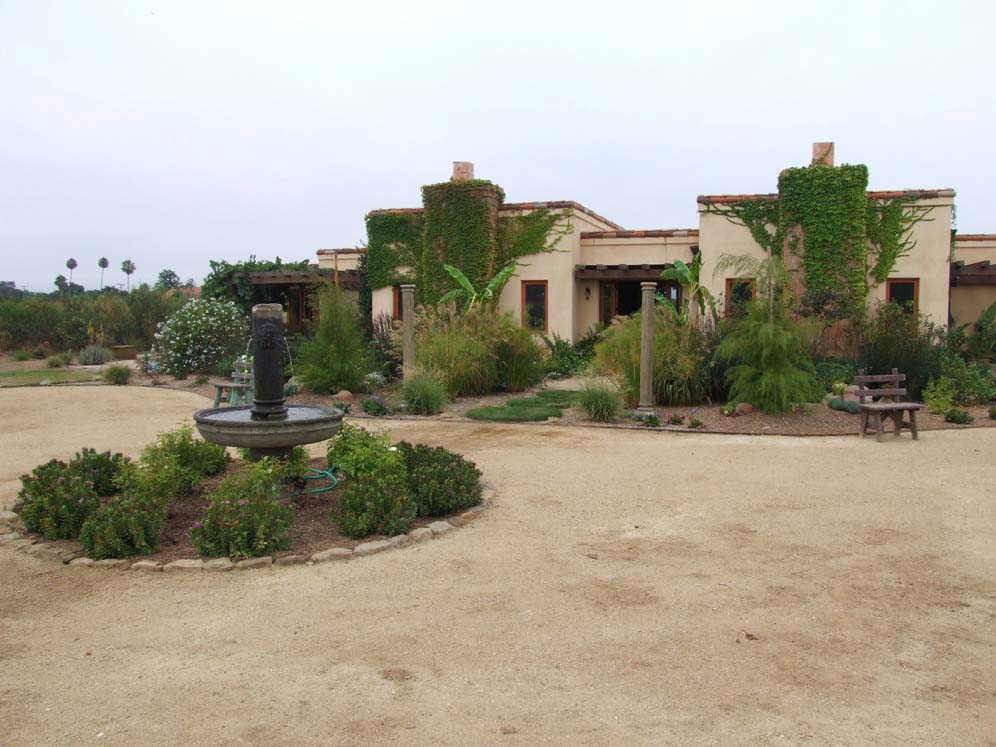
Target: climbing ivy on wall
column 830, row 205
column 231, row 281
column 847, row 242
column 394, row 240
column 460, row 229
column 890, row 233
column 459, row 225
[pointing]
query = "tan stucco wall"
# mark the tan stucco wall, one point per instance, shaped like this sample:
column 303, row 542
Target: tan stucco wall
column 382, row 301
column 969, row 301
column 346, row 260
column 928, row 261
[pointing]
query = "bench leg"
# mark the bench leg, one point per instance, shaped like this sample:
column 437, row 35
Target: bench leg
column 234, row 397
column 878, row 427
column 864, row 424
column 897, row 421
column 916, row 434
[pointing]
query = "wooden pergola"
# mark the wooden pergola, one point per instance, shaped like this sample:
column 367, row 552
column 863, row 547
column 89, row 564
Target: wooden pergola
column 976, row 273
column 298, row 285
column 646, row 272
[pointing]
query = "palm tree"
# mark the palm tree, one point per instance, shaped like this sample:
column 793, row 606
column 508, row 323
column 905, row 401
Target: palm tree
column 128, row 267
column 472, row 295
column 102, row 263
column 687, row 276
column 71, row 265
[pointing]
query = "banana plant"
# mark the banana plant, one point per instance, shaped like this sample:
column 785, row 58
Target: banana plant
column 474, row 296
column 687, row 276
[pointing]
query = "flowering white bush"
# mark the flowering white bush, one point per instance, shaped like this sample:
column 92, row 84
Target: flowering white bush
column 198, row 335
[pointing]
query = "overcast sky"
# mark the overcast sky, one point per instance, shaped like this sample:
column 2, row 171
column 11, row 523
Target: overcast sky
column 171, row 133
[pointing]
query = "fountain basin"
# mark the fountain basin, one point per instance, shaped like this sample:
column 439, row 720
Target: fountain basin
column 234, row 426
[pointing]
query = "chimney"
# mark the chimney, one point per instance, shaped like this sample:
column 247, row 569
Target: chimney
column 463, row 171
column 823, row 154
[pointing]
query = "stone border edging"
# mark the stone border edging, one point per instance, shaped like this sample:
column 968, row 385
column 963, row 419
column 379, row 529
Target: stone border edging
column 65, row 556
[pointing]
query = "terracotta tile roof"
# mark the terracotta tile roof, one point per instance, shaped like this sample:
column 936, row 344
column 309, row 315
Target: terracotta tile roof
column 919, row 194
column 975, row 237
column 344, row 250
column 656, row 233
column 549, row 205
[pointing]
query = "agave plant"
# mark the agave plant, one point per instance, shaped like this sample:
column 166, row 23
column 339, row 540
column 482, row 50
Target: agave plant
column 475, row 296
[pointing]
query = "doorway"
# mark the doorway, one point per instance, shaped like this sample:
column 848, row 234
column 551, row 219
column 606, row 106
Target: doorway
column 624, row 297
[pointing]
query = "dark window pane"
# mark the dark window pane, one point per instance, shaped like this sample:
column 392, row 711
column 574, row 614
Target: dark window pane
column 903, row 292
column 535, row 306
column 740, row 293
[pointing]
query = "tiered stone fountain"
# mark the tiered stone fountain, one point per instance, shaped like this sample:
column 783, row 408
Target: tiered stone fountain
column 268, row 427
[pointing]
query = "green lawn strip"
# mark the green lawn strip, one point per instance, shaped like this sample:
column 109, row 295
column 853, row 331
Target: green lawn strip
column 513, row 414
column 33, row 378
column 547, row 397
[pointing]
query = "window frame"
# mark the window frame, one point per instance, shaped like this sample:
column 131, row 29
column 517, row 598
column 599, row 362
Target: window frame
column 546, row 306
column 397, row 312
column 730, row 282
column 916, row 292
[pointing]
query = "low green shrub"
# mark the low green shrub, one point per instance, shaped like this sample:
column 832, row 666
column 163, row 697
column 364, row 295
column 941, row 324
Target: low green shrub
column 65, row 358
column 520, row 359
column 648, row 419
column 375, row 498
column 675, row 419
column 244, row 519
column 992, row 413
column 92, row 355
column 696, row 423
column 54, row 362
column 423, row 394
column 845, row 405
column 832, row 371
column 173, row 465
column 55, row 501
column 939, row 395
column 102, row 468
column 122, row 528
column 38, row 353
column 376, row 406
column 116, row 374
column 440, row 481
column 601, row 401
column 961, row 417
column 894, row 338
column 567, row 358
column 22, row 355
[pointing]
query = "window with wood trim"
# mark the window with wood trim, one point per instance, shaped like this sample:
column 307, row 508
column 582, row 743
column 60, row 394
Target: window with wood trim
column 399, row 307
column 739, row 292
column 535, row 305
column 904, row 292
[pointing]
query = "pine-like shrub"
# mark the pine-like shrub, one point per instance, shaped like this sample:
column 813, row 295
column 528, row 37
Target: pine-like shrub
column 440, row 481
column 423, row 394
column 769, row 353
column 601, row 401
column 198, row 335
column 122, row 528
column 336, row 358
column 244, row 519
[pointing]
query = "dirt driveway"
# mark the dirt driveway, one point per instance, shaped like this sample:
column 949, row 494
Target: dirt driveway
column 627, row 588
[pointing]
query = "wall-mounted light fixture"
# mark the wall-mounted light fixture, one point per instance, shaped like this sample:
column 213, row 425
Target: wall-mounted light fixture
column 587, row 294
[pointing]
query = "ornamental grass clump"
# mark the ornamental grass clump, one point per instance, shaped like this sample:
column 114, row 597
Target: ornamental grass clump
column 440, row 481
column 244, row 519
column 375, row 498
column 424, row 394
column 601, row 401
column 123, row 527
column 116, row 374
column 198, row 335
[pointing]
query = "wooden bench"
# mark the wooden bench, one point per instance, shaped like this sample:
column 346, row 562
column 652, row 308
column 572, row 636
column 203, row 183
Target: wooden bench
column 885, row 399
column 238, row 391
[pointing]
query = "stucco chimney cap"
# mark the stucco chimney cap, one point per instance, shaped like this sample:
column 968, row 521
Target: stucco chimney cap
column 463, row 171
column 823, row 153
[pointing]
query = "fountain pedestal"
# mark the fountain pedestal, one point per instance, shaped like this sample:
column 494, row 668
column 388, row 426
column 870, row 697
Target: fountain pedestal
column 268, row 427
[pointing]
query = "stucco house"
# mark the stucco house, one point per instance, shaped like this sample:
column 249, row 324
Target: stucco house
column 596, row 269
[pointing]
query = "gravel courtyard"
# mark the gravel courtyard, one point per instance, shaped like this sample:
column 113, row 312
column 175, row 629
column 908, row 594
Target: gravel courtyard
column 626, row 588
